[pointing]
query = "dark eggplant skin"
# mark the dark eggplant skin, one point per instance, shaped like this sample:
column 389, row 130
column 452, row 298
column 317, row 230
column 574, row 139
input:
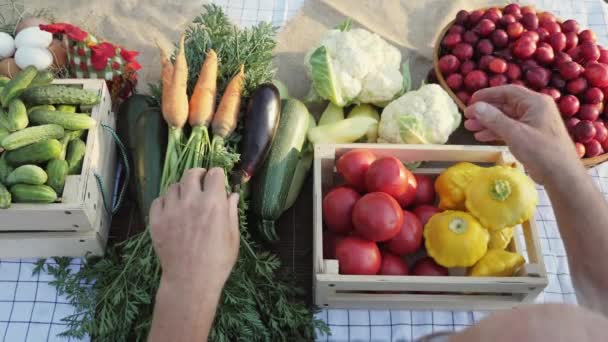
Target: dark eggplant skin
column 261, row 122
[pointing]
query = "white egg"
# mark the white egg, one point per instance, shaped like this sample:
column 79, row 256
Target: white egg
column 33, row 37
column 7, row 45
column 39, row 57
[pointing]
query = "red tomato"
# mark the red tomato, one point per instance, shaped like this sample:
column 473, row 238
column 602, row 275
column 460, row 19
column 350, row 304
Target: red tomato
column 377, row 217
column 330, row 241
column 424, row 213
column 425, row 190
column 353, row 166
column 409, row 238
column 388, row 175
column 338, row 207
column 408, row 197
column 392, row 265
column 358, row 256
column 428, row 267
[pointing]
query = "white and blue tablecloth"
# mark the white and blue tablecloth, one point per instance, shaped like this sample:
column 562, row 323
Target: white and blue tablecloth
column 32, row 311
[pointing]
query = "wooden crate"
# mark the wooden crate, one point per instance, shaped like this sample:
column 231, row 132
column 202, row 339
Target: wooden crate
column 79, row 224
column 333, row 290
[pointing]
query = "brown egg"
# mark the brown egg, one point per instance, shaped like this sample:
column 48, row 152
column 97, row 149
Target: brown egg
column 60, row 55
column 29, row 22
column 8, row 67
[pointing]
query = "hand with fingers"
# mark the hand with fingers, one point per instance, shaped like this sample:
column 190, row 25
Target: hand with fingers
column 528, row 122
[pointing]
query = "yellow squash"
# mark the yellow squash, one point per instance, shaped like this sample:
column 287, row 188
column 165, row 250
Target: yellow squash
column 497, row 263
column 501, row 197
column 451, row 184
column 455, row 239
column 499, row 239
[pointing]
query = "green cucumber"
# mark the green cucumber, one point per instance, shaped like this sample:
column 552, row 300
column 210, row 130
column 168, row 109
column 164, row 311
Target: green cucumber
column 73, row 135
column 67, row 108
column 31, row 135
column 57, row 170
column 4, row 81
column 54, row 93
column 271, row 185
column 46, row 107
column 75, row 156
column 5, row 197
column 42, row 78
column 5, row 169
column 15, row 87
column 16, row 118
column 27, row 174
column 35, row 153
column 3, row 132
column 26, row 193
column 71, row 121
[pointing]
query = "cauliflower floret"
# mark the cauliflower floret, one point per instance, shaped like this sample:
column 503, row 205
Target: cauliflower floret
column 424, row 116
column 364, row 68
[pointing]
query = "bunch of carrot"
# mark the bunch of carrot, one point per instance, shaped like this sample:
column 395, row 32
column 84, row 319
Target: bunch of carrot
column 198, row 151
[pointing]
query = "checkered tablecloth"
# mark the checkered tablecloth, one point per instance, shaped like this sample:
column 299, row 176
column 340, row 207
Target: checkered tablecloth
column 32, row 311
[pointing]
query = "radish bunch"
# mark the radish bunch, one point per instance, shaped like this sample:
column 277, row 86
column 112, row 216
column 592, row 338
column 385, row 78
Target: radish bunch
column 517, row 45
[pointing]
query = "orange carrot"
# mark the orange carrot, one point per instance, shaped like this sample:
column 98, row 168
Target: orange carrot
column 202, row 101
column 167, row 80
column 225, row 118
column 178, row 97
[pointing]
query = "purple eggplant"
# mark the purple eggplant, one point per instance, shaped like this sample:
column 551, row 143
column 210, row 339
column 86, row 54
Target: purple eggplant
column 261, row 122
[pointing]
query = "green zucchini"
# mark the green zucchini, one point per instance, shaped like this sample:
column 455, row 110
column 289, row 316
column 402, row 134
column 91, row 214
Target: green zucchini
column 67, row 108
column 57, row 170
column 42, row 78
column 271, row 186
column 27, row 174
column 3, row 132
column 299, row 177
column 35, row 153
column 26, row 193
column 16, row 118
column 71, row 121
column 5, row 169
column 128, row 113
column 5, row 197
column 75, row 156
column 15, row 87
column 31, row 135
column 45, row 107
column 54, row 93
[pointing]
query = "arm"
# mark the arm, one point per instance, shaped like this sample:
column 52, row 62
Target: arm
column 532, row 127
column 194, row 227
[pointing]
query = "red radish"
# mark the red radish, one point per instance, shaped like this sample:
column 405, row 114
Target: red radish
column 604, row 147
column 463, row 51
column 557, row 41
column 484, row 62
column 448, row 64
column 551, row 27
column 330, row 241
column 462, row 17
column 594, row 95
column 406, row 198
column 544, row 54
column 507, row 19
column 528, row 9
column 451, row 39
column 338, row 207
column 358, row 256
column 464, row 96
column 513, row 71
column 571, row 40
column 466, row 67
column 428, row 267
column 589, row 51
column 569, row 105
column 554, row 93
column 498, row 80
column 529, row 21
column 500, row 38
column 570, row 25
column 570, row 70
column 557, row 81
column 515, row 30
column 454, row 81
column 542, row 33
column 392, row 265
column 494, row 14
column 576, row 86
column 377, row 217
column 546, row 17
column 512, row 9
column 475, row 17
column 476, row 80
column 424, row 212
column 425, row 190
column 601, row 132
column 524, row 48
column 498, row 65
column 580, row 149
column 353, row 166
column 388, row 175
column 589, row 112
column 519, row 83
column 538, row 77
column 485, row 47
column 571, row 123
column 603, row 56
column 584, row 131
column 587, row 35
column 593, row 148
column 561, row 57
column 532, row 35
column 484, row 27
column 409, row 238
column 597, row 74
column 470, row 37
column 459, row 29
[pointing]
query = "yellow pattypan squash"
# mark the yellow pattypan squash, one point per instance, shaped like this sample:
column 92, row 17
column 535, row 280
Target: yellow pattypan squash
column 497, row 263
column 455, row 239
column 499, row 239
column 501, row 197
column 451, row 184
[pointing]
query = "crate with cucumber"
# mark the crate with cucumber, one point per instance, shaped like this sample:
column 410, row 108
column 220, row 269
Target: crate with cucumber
column 43, row 129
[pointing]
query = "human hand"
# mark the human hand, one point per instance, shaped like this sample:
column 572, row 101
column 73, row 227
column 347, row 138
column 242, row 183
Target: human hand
column 528, row 122
column 194, row 227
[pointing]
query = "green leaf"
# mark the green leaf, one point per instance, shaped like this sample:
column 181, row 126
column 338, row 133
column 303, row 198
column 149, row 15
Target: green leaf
column 411, row 130
column 323, row 78
column 345, row 25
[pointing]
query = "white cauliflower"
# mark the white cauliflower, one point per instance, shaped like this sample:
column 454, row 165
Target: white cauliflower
column 354, row 66
column 424, row 116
